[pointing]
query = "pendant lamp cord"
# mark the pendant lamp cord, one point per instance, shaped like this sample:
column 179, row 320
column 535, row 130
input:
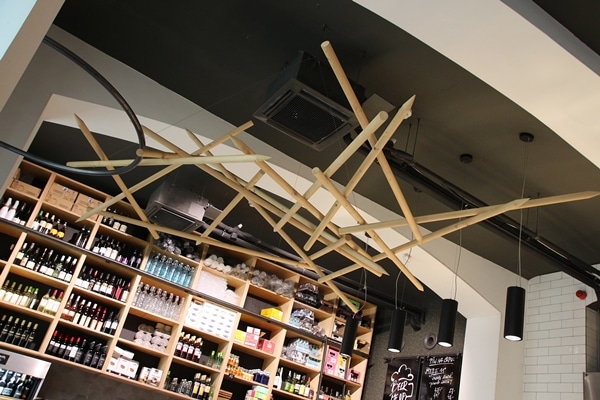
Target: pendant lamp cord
column 526, row 159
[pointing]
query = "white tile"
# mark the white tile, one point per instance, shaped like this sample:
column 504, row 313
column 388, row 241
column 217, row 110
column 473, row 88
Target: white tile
column 551, row 359
column 550, row 342
column 537, row 335
column 535, row 387
column 571, row 396
column 556, row 292
column 549, row 378
column 563, row 332
column 537, row 369
column 551, row 308
column 530, row 378
column 560, row 387
column 532, row 295
column 529, row 395
column 532, row 311
column 538, row 318
column 539, row 302
column 531, row 344
column 575, row 322
column 560, row 350
column 566, row 298
column 571, row 359
column 552, row 325
column 579, row 331
column 579, row 350
column 573, row 340
column 530, row 360
column 579, row 368
column 534, row 280
column 572, row 378
column 537, row 352
column 573, row 305
column 562, row 315
column 563, row 282
column 532, row 327
column 560, row 368
column 551, row 277
column 538, row 287
column 579, row 313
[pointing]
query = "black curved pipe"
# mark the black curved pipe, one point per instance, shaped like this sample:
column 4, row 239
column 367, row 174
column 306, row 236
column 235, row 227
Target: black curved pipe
column 114, row 93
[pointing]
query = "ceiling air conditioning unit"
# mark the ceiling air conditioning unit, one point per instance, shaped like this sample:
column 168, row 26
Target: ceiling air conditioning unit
column 177, row 208
column 307, row 103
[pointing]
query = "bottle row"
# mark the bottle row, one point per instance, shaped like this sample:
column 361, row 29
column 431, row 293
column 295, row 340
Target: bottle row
column 78, row 349
column 113, row 220
column 14, row 211
column 158, row 301
column 172, row 270
column 17, row 385
column 18, row 331
column 90, row 315
column 198, row 388
column 296, row 383
column 109, row 247
column 105, row 283
column 46, row 261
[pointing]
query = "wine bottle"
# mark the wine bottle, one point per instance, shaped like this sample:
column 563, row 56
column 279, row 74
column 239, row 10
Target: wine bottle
column 45, row 262
column 9, row 292
column 277, row 380
column 62, row 346
column 61, row 230
column 19, row 387
column 26, row 254
column 11, row 330
column 21, row 214
column 30, row 341
column 18, row 333
column 15, row 294
column 23, row 336
column 33, row 259
column 5, row 328
column 37, row 221
column 4, row 288
column 54, row 342
column 44, row 301
column 54, row 228
column 5, row 207
column 12, row 211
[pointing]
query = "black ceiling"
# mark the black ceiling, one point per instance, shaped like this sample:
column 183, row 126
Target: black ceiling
column 222, row 55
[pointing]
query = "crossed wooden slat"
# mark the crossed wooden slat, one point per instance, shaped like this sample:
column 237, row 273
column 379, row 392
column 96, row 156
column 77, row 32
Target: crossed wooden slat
column 325, row 231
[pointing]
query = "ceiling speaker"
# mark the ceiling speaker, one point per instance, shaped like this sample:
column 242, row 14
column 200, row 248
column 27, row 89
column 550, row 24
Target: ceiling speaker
column 307, row 103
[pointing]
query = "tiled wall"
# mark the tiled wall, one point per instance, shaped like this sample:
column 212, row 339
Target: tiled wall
column 591, row 341
column 555, row 339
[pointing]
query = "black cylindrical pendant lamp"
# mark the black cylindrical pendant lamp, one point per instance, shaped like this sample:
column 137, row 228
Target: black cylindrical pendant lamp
column 397, row 330
column 514, row 316
column 349, row 336
column 447, row 322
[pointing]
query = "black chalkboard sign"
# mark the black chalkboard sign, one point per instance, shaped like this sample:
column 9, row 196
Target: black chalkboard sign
column 402, row 379
column 423, row 378
column 440, row 377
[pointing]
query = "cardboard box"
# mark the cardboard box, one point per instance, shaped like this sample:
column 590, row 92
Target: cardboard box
column 80, row 210
column 332, row 356
column 340, row 370
column 25, row 188
column 59, row 191
column 59, row 201
column 86, row 201
column 273, row 313
column 252, row 336
column 240, row 336
column 266, row 345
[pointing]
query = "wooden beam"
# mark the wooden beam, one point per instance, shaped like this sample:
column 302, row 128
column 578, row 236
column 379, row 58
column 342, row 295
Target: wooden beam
column 117, row 178
column 325, row 181
column 362, row 119
column 237, row 158
column 469, row 212
column 163, row 172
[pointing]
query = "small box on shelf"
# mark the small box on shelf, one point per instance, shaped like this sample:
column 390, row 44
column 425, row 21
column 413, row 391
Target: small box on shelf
column 272, row 312
column 25, row 188
column 266, row 345
column 252, row 336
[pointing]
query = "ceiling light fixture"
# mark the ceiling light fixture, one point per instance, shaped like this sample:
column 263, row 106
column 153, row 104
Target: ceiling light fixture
column 514, row 315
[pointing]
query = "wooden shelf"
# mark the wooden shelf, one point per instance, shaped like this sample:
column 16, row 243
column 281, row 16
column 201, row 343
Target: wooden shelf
column 251, row 296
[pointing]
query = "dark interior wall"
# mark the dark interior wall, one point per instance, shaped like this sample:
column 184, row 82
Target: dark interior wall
column 414, row 344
